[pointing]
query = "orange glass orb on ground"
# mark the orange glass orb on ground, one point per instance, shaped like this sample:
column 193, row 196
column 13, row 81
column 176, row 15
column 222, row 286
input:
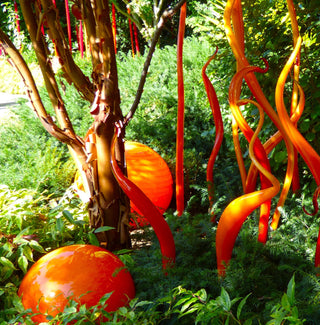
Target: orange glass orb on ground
column 83, row 273
column 147, row 169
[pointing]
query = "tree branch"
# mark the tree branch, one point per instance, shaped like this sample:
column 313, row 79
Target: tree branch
column 81, row 82
column 167, row 14
column 42, row 51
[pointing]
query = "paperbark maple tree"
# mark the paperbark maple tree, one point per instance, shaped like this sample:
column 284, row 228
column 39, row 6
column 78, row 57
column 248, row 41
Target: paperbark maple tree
column 108, row 205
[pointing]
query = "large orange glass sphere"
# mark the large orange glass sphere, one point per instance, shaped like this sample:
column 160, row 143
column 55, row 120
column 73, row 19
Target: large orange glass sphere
column 148, row 170
column 82, row 272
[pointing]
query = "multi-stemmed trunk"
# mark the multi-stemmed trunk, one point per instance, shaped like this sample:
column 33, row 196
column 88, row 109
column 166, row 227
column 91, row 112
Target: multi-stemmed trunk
column 107, row 205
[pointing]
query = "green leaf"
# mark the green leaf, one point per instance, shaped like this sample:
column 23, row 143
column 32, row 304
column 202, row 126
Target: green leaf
column 193, row 309
column 59, row 224
column 4, row 261
column 280, row 156
column 104, row 228
column 23, row 263
column 93, row 240
column 188, row 304
column 27, row 252
column 181, row 301
column 224, row 300
column 18, row 220
column 19, row 236
column 291, row 291
column 123, row 251
column 294, row 312
column 142, row 303
column 285, row 302
column 105, row 298
column 36, row 246
column 241, row 304
column 202, row 294
column 69, row 217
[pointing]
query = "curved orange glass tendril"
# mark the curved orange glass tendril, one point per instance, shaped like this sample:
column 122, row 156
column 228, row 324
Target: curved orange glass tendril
column 270, row 145
column 308, row 154
column 215, row 108
column 238, row 27
column 180, row 119
column 252, row 81
column 266, row 206
column 275, row 139
column 147, row 208
column 237, row 23
column 234, row 94
column 237, row 149
column 294, row 97
column 239, row 209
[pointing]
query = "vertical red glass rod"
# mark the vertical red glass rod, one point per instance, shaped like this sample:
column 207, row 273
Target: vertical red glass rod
column 180, row 119
column 68, row 23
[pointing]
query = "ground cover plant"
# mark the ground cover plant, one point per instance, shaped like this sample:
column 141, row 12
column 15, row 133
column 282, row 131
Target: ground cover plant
column 272, row 283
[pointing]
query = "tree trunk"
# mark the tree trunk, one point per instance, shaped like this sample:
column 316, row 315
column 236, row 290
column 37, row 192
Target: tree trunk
column 108, row 205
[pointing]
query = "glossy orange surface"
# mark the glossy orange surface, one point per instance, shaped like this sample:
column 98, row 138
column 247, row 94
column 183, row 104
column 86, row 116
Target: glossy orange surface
column 147, row 169
column 82, row 272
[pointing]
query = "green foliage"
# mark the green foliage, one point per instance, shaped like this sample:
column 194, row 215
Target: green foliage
column 207, row 310
column 8, row 23
column 32, row 159
column 286, row 310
